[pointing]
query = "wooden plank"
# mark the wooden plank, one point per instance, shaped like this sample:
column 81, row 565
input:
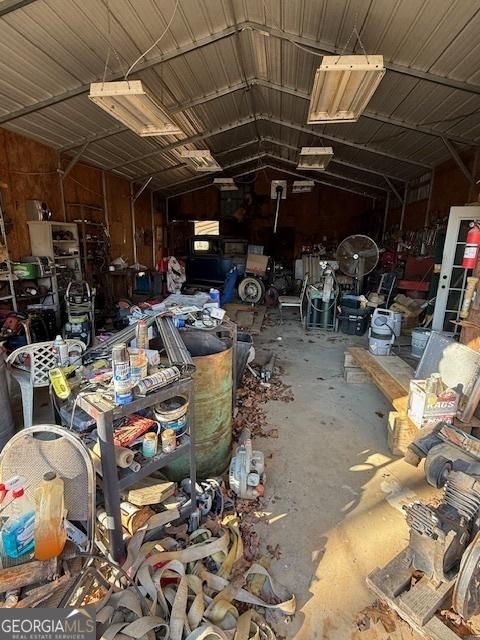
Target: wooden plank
column 24, row 574
column 356, row 375
column 386, row 382
column 423, row 600
column 349, row 360
column 434, row 629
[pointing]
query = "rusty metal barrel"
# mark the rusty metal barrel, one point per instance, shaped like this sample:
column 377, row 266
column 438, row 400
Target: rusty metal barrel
column 213, row 416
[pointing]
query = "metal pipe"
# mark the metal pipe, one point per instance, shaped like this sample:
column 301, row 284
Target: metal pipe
column 385, row 216
column 429, row 201
column 152, row 220
column 402, row 216
column 132, row 218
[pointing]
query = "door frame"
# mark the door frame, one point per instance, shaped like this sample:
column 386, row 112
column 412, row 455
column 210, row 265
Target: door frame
column 456, row 217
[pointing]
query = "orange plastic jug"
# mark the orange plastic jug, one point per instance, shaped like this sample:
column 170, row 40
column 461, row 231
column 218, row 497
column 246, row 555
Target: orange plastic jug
column 50, row 534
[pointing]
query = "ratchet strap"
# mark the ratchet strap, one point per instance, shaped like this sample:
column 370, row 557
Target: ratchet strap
column 190, row 589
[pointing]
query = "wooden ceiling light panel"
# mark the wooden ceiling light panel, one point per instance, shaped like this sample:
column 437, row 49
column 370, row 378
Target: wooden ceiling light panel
column 135, row 106
column 343, row 87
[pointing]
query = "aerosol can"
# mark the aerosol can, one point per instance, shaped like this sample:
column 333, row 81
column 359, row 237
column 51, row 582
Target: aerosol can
column 385, row 326
column 247, row 470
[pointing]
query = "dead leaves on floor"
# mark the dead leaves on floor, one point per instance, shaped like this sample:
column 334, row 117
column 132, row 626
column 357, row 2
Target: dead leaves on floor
column 252, row 397
column 379, row 622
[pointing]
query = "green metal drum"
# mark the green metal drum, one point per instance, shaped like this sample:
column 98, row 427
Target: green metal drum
column 213, row 417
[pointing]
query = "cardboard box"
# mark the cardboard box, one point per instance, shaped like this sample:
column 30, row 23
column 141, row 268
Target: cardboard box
column 256, row 264
column 426, row 415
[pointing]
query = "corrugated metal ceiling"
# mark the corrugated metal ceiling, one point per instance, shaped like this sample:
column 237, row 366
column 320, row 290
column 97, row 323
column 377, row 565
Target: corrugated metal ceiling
column 237, row 74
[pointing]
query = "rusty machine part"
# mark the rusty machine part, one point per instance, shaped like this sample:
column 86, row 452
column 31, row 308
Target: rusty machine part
column 440, row 535
column 466, row 593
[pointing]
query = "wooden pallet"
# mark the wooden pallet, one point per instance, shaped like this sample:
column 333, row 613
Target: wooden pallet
column 417, row 605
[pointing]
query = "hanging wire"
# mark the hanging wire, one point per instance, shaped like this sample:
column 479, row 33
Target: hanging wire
column 359, row 40
column 290, row 37
column 155, row 43
column 108, row 39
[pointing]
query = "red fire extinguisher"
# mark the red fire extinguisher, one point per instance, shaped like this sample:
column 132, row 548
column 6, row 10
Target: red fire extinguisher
column 472, row 245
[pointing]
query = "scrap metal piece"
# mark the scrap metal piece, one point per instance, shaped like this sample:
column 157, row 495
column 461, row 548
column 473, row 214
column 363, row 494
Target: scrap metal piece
column 177, row 352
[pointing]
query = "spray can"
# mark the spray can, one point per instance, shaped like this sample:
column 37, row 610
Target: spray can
column 122, row 383
column 141, row 334
column 157, row 380
column 60, row 348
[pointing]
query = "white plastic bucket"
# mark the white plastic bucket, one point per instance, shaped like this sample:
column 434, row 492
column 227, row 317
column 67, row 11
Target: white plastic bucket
column 420, row 338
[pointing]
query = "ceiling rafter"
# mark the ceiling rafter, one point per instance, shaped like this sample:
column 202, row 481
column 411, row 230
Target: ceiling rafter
column 7, row 6
column 142, row 66
column 335, row 160
column 378, row 117
column 281, row 170
column 278, row 121
column 264, row 154
column 317, row 47
column 328, row 49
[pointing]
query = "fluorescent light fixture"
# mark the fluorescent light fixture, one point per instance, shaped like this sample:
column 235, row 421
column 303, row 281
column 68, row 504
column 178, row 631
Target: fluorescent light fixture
column 225, row 184
column 201, row 159
column 343, row 86
column 132, row 103
column 302, row 186
column 316, row 158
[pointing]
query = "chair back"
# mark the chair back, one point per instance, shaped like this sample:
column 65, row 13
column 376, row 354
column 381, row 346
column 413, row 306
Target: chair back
column 38, row 359
column 304, row 287
column 36, row 450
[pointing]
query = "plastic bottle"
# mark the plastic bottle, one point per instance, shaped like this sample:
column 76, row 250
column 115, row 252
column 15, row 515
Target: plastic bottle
column 50, row 533
column 60, row 348
column 18, row 531
column 141, row 335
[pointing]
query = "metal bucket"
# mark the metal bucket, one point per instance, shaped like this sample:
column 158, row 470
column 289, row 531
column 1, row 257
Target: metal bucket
column 172, row 414
column 212, row 410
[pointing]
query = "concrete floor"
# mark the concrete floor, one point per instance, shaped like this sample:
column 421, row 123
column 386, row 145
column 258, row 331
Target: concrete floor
column 334, row 491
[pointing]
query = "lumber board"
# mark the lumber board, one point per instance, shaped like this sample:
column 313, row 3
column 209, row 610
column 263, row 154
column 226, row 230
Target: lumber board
column 349, row 360
column 385, row 380
column 25, row 574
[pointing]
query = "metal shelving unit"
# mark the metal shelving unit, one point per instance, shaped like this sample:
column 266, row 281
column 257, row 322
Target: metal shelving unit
column 115, row 480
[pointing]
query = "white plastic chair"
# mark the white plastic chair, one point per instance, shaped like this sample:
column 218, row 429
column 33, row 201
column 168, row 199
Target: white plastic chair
column 29, row 365
column 294, row 301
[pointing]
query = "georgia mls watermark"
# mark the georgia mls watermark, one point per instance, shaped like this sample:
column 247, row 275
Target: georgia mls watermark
column 47, row 624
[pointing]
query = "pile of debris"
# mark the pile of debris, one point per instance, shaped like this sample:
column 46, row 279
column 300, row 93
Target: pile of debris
column 252, row 398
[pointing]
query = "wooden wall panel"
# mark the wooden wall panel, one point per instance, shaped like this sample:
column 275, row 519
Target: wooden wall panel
column 143, row 226
column 29, row 170
column 119, row 215
column 322, row 212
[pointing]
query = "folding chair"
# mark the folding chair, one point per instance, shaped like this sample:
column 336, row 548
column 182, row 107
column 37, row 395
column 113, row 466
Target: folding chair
column 294, row 301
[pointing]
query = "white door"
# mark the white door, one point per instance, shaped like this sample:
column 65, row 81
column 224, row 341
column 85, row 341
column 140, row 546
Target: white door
column 453, row 276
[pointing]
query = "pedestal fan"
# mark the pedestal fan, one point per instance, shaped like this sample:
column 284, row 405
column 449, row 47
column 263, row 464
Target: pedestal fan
column 357, row 256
